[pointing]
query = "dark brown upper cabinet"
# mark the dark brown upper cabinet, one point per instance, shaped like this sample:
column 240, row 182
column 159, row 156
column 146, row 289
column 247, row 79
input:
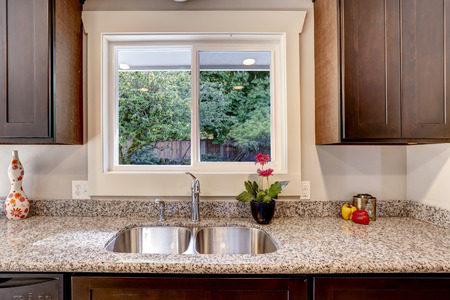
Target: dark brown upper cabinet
column 41, row 72
column 382, row 71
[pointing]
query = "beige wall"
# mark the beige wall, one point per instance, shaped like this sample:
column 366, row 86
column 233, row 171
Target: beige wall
column 49, row 170
column 335, row 172
column 428, row 173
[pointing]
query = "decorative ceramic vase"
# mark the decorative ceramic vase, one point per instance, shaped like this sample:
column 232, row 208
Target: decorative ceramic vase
column 263, row 212
column 17, row 204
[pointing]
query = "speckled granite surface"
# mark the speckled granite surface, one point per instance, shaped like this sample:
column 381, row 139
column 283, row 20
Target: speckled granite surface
column 229, row 209
column 307, row 245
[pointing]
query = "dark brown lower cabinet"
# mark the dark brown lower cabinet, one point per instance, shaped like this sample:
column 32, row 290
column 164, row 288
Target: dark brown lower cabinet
column 376, row 288
column 144, row 288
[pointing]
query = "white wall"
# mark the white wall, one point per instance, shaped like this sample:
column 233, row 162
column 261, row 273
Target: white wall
column 428, row 173
column 49, row 170
column 335, row 172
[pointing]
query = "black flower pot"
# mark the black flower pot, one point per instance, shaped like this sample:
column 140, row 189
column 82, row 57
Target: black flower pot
column 263, row 212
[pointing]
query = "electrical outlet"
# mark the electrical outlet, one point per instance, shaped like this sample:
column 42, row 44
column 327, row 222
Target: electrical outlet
column 80, row 189
column 306, row 190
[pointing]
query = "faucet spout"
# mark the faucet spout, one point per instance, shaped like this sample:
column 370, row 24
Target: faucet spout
column 195, row 194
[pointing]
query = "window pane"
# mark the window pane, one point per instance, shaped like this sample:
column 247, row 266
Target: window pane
column 234, row 105
column 154, row 117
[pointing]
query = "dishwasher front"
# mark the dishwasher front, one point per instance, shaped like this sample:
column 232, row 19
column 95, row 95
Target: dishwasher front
column 31, row 286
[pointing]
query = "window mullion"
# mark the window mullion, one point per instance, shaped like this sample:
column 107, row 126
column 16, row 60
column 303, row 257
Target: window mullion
column 195, row 126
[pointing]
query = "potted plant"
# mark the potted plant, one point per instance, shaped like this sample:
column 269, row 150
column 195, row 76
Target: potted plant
column 261, row 195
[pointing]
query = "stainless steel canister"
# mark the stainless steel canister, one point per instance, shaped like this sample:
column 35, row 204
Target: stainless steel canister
column 368, row 203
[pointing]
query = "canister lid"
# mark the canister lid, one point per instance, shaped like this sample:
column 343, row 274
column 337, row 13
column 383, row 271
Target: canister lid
column 368, row 196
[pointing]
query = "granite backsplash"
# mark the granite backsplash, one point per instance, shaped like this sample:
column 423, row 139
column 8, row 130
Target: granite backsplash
column 227, row 208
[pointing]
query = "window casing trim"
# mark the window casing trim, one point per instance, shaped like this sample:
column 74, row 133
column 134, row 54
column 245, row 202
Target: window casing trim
column 97, row 24
column 275, row 43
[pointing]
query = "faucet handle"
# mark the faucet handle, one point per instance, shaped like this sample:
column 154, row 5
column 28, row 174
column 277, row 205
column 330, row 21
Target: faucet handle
column 195, row 186
column 189, row 173
column 161, row 209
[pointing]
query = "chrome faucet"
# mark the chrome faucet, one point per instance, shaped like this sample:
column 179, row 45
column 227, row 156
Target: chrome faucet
column 195, row 193
column 161, row 209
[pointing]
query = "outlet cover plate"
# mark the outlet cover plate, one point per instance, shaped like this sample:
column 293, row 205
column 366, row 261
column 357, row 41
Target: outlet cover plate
column 306, row 190
column 80, row 189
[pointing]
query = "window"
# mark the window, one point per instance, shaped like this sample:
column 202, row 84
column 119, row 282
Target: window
column 200, row 103
column 194, row 40
column 234, row 105
column 153, row 103
column 154, row 99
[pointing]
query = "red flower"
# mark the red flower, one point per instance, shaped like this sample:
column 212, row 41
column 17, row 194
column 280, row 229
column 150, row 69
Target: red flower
column 22, row 199
column 262, row 158
column 19, row 178
column 265, row 173
column 16, row 212
column 15, row 167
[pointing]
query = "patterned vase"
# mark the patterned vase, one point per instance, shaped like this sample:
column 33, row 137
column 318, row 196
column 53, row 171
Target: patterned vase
column 17, row 205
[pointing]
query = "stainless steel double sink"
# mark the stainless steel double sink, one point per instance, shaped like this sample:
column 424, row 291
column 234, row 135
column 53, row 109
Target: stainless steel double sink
column 192, row 240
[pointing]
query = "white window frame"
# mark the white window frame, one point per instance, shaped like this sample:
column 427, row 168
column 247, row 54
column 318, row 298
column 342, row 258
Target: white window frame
column 98, row 24
column 273, row 43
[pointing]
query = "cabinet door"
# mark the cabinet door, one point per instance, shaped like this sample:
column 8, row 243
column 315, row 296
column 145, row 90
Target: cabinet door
column 370, row 61
column 121, row 288
column 125, row 288
column 426, row 68
column 381, row 288
column 257, row 289
column 24, row 68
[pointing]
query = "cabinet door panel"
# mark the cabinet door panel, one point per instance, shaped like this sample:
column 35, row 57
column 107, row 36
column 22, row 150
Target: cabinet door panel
column 24, row 63
column 375, row 288
column 371, row 68
column 148, row 294
column 347, row 295
column 425, row 68
column 121, row 288
column 249, row 295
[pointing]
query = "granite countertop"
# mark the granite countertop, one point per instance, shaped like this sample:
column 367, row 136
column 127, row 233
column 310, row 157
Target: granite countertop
column 307, row 245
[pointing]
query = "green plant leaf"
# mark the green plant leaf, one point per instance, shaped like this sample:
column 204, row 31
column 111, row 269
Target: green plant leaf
column 260, row 197
column 255, row 187
column 274, row 189
column 267, row 199
column 250, row 188
column 245, row 197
